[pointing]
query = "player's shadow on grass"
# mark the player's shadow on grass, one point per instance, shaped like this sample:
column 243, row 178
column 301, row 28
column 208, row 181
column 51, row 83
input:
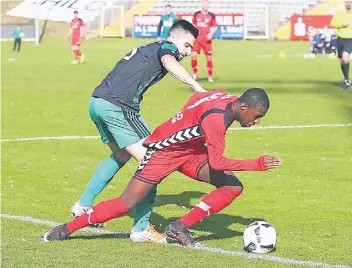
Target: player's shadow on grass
column 202, row 79
column 87, row 236
column 218, row 224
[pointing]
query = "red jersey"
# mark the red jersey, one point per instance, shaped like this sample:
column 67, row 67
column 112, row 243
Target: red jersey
column 203, row 120
column 76, row 25
column 204, row 21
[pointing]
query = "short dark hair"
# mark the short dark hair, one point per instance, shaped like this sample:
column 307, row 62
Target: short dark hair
column 75, row 12
column 184, row 25
column 168, row 5
column 255, row 97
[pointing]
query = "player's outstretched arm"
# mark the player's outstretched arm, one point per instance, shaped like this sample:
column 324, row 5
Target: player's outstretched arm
column 178, row 71
column 214, row 128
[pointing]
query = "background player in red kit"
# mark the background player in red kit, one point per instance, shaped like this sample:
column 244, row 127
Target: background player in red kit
column 78, row 31
column 179, row 144
column 206, row 24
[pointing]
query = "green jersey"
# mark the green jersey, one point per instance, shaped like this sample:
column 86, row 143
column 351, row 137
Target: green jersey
column 17, row 33
column 135, row 73
column 165, row 23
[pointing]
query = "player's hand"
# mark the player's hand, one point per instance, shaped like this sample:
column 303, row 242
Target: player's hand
column 269, row 162
column 209, row 36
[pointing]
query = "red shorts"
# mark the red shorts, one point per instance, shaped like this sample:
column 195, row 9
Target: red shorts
column 205, row 45
column 159, row 164
column 76, row 41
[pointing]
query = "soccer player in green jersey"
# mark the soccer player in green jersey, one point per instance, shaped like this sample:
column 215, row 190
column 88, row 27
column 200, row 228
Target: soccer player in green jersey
column 166, row 21
column 17, row 36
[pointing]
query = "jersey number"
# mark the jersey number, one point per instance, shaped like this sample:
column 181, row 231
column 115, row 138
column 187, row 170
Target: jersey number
column 129, row 56
column 215, row 96
column 177, row 117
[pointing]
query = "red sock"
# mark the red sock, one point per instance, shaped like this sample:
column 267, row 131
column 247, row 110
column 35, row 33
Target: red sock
column 210, row 67
column 195, row 66
column 77, row 54
column 213, row 202
column 100, row 213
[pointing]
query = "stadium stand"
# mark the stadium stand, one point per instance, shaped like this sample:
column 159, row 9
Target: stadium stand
column 327, row 7
column 284, row 8
column 279, row 13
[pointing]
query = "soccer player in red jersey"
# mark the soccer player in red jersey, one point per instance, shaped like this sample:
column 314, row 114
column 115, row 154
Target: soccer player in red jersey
column 206, row 24
column 179, row 144
column 77, row 31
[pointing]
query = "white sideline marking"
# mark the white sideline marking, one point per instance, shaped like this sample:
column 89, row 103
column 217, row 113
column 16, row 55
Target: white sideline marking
column 51, row 138
column 230, row 129
column 208, row 249
column 53, row 224
column 288, row 55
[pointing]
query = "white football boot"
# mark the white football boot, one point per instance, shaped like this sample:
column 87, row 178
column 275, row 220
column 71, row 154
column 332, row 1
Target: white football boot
column 210, row 79
column 82, row 58
column 149, row 235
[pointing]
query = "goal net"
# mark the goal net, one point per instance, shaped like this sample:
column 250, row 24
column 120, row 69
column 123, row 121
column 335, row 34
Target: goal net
column 256, row 22
column 110, row 22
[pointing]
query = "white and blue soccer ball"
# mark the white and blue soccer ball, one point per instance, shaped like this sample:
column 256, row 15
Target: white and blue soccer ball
column 259, row 237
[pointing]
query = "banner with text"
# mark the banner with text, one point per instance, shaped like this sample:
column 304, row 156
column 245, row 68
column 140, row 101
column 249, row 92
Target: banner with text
column 230, row 26
column 59, row 10
column 303, row 26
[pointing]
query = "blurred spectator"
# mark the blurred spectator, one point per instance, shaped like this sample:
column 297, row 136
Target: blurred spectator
column 317, row 43
column 323, row 41
column 326, row 40
column 17, row 34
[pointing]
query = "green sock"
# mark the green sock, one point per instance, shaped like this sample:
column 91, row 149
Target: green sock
column 102, row 176
column 143, row 211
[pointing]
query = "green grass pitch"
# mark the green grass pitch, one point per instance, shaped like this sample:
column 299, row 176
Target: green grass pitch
column 308, row 200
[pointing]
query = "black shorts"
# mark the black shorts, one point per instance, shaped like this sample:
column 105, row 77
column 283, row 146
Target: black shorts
column 344, row 45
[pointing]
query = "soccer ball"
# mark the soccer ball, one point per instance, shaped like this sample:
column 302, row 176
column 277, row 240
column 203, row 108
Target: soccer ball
column 21, row 35
column 259, row 237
